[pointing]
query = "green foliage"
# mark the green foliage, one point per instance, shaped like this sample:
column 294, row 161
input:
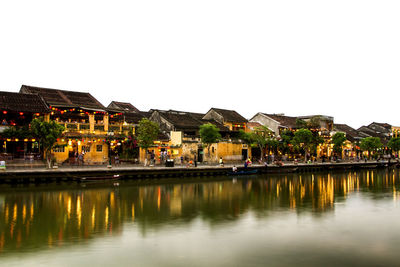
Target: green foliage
column 338, row 140
column 313, row 123
column 130, row 148
column 47, row 134
column 20, row 132
column 272, row 144
column 261, row 137
column 147, row 132
column 303, row 137
column 209, row 134
column 394, row 143
column 301, row 123
column 246, row 137
column 370, row 144
column 286, row 141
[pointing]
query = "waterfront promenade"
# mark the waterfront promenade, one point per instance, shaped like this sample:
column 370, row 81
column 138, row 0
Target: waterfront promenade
column 138, row 172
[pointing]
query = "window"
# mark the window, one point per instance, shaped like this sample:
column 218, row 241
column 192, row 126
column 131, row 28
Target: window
column 99, row 148
column 59, row 149
column 86, row 149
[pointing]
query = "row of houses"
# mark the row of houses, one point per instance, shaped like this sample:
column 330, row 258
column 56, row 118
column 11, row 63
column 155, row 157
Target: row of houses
column 98, row 132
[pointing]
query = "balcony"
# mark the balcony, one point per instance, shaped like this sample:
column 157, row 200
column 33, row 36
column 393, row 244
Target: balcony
column 115, row 128
column 82, row 127
column 99, row 127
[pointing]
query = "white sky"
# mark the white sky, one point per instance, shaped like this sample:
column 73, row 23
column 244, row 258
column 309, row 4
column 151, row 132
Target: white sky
column 339, row 58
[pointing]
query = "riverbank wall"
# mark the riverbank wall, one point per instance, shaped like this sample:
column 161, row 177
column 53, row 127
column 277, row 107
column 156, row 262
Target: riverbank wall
column 138, row 173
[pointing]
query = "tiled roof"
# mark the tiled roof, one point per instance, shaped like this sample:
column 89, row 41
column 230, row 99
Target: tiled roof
column 22, row 103
column 188, row 120
column 132, row 117
column 351, row 133
column 285, row 121
column 253, row 125
column 56, row 97
column 230, row 115
column 380, row 127
column 146, row 114
column 123, row 106
column 368, row 131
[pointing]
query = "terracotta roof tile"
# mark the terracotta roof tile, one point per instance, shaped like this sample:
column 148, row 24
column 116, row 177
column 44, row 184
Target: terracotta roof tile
column 22, row 103
column 56, row 97
column 230, row 115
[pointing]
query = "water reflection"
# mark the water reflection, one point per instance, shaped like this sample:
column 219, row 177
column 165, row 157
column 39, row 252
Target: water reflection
column 32, row 219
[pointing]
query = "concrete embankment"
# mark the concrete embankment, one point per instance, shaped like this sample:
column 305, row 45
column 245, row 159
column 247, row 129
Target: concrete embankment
column 137, row 173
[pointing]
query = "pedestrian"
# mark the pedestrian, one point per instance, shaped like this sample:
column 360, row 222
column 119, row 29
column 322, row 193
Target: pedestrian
column 80, row 159
column 249, row 161
column 152, row 158
column 195, row 160
column 234, row 168
column 221, row 162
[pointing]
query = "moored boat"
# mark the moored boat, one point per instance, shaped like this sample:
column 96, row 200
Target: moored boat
column 243, row 172
column 99, row 178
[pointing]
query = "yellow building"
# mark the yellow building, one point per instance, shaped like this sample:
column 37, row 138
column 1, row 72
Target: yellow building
column 91, row 130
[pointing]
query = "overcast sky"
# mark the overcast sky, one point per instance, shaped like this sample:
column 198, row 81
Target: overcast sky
column 300, row 57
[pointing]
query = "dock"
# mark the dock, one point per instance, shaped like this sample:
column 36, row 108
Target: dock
column 158, row 172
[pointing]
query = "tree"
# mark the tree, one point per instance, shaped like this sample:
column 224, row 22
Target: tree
column 338, row 140
column 147, row 132
column 209, row 134
column 394, row 144
column 47, row 134
column 304, row 138
column 313, row 123
column 14, row 132
column 272, row 144
column 261, row 136
column 370, row 144
column 286, row 141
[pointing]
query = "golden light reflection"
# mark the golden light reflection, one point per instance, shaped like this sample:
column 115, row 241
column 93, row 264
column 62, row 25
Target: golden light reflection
column 79, row 211
column 106, row 217
column 69, row 207
column 32, row 211
column 105, row 210
column 93, row 216
column 15, row 213
column 23, row 213
column 158, row 198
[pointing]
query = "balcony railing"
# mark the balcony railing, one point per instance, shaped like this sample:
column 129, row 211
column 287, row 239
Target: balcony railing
column 71, row 127
column 84, row 126
column 99, row 127
column 114, row 128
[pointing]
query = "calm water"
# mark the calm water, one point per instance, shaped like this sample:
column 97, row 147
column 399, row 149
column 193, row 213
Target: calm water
column 328, row 219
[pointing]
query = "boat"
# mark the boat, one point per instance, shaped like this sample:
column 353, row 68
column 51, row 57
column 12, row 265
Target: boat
column 243, row 172
column 99, row 178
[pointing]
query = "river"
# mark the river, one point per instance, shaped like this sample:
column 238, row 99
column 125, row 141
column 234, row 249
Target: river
column 320, row 219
